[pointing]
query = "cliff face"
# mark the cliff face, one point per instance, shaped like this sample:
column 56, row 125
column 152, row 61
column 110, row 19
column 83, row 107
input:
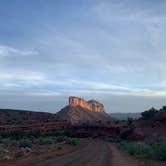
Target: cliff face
column 91, row 105
column 80, row 111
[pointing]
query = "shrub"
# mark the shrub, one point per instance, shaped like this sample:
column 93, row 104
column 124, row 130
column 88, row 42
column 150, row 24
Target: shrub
column 57, row 133
column 125, row 134
column 163, row 108
column 45, row 141
column 155, row 150
column 139, row 149
column 66, row 133
column 1, row 149
column 60, row 138
column 129, row 121
column 6, row 141
column 160, row 150
column 73, row 141
column 59, row 147
column 13, row 143
column 19, row 154
column 25, row 143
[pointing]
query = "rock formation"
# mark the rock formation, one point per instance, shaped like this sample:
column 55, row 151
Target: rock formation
column 91, row 105
column 81, row 111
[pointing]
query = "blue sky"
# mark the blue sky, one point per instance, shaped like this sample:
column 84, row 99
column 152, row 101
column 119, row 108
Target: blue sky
column 110, row 50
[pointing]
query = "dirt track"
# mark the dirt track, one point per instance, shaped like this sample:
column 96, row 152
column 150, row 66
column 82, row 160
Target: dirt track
column 97, row 153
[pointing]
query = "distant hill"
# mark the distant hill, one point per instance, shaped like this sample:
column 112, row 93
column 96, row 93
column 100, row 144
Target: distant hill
column 125, row 116
column 14, row 117
column 80, row 111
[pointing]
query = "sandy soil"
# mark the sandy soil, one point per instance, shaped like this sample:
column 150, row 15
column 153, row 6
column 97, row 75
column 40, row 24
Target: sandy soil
column 93, row 153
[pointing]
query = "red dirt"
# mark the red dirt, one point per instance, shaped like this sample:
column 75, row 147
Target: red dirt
column 91, row 153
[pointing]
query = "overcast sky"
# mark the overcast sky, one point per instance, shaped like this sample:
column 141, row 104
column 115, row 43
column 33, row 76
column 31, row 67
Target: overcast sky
column 113, row 51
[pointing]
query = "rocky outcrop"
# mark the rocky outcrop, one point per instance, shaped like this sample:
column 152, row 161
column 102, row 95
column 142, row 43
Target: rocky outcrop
column 80, row 111
column 91, row 105
column 75, row 101
column 96, row 106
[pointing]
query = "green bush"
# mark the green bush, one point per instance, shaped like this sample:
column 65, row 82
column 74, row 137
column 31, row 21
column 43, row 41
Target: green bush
column 129, row 121
column 155, row 150
column 60, row 138
column 19, row 154
column 66, row 133
column 13, row 143
column 1, row 149
column 6, row 141
column 73, row 141
column 57, row 133
column 45, row 141
column 160, row 150
column 25, row 143
column 9, row 142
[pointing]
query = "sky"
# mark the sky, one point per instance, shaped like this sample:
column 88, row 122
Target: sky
column 109, row 50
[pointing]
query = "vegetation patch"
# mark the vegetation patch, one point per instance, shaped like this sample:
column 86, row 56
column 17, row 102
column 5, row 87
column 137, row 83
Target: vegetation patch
column 18, row 144
column 19, row 154
column 150, row 150
column 25, row 143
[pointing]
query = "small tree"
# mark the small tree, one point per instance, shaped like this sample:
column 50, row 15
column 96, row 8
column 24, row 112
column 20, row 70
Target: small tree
column 129, row 121
column 149, row 113
column 163, row 108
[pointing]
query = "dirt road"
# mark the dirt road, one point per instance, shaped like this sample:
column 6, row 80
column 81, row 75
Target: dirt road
column 97, row 153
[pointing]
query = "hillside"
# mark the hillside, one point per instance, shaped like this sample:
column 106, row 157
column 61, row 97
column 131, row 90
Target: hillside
column 14, row 117
column 78, row 114
column 153, row 123
column 80, row 111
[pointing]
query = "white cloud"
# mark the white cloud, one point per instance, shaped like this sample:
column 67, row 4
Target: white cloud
column 24, row 75
column 10, row 51
column 98, row 85
column 44, row 94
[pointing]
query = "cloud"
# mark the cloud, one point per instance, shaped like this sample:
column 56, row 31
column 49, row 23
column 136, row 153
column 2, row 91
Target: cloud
column 44, row 94
column 109, row 50
column 24, row 75
column 10, row 51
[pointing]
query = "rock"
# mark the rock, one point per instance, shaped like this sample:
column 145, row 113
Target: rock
column 96, row 106
column 6, row 151
column 80, row 111
column 26, row 150
column 7, row 157
column 91, row 105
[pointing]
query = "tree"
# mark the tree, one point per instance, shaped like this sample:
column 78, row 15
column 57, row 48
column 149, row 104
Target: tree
column 149, row 113
column 129, row 121
column 163, row 108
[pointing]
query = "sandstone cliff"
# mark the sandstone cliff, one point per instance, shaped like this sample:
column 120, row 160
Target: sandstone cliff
column 91, row 105
column 81, row 111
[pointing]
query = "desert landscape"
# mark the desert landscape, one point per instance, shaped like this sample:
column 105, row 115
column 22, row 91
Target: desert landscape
column 82, row 133
column 82, row 83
